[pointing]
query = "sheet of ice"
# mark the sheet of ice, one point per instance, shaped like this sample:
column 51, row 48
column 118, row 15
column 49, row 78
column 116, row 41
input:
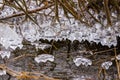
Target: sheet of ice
column 44, row 58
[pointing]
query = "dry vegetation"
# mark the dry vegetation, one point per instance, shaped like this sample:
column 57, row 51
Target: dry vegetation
column 79, row 9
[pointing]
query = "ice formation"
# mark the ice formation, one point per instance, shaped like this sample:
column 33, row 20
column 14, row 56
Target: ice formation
column 9, row 38
column 5, row 54
column 82, row 78
column 106, row 65
column 2, row 72
column 41, row 45
column 44, row 58
column 118, row 57
column 82, row 61
column 49, row 29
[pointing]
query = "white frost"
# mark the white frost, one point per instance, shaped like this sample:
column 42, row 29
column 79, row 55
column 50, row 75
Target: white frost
column 44, row 58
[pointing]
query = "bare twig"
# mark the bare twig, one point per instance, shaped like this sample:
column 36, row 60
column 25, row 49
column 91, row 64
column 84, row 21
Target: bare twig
column 21, row 56
column 29, row 12
column 107, row 11
column 117, row 63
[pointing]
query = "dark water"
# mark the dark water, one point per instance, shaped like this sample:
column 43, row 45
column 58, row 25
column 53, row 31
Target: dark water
column 63, row 67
